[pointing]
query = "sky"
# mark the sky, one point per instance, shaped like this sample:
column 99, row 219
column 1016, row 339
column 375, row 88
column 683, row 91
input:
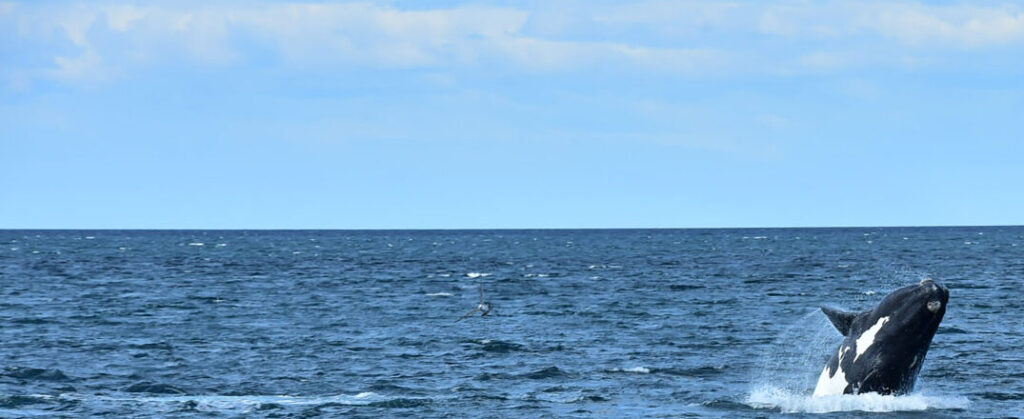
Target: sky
column 500, row 114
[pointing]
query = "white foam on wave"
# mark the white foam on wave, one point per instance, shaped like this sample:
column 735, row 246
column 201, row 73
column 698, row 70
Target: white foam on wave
column 197, row 244
column 638, row 370
column 22, row 412
column 240, row 403
column 564, row 397
column 439, row 294
column 477, row 274
column 789, row 402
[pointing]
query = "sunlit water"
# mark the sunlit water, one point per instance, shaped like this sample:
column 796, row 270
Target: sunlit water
column 677, row 323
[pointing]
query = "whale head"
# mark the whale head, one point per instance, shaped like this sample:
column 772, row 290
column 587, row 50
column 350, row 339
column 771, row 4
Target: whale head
column 915, row 310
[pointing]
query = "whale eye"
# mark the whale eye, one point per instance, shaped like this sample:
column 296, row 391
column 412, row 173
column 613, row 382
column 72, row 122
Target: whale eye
column 934, row 306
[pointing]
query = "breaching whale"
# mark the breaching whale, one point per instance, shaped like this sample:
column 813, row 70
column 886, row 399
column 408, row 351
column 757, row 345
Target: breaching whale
column 885, row 346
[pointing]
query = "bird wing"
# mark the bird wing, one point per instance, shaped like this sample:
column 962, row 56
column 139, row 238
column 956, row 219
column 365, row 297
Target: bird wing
column 467, row 314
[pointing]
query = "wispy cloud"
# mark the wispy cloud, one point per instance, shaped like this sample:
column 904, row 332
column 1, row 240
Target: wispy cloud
column 108, row 38
column 914, row 24
column 95, row 42
column 963, row 25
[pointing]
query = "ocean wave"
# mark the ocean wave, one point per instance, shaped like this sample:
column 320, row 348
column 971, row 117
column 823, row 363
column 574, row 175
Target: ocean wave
column 704, row 371
column 544, row 373
column 247, row 403
column 400, row 403
column 566, row 397
column 25, row 373
column 489, row 345
column 789, row 402
column 439, row 294
column 478, row 274
column 992, row 395
column 685, row 287
column 638, row 370
column 17, row 401
column 155, row 388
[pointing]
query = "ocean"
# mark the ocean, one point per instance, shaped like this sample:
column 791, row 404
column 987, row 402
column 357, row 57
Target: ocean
column 585, row 323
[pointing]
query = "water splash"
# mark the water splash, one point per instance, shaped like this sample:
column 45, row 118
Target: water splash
column 796, row 357
column 788, row 402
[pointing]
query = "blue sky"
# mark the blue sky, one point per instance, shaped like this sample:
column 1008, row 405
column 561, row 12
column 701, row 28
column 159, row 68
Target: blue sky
column 231, row 114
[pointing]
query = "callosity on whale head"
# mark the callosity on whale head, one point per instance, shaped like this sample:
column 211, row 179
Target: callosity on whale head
column 884, row 347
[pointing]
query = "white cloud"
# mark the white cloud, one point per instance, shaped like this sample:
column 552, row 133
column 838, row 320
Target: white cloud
column 963, row 25
column 691, row 13
column 774, row 121
column 122, row 17
column 7, row 8
column 912, row 23
column 806, row 20
column 86, row 67
column 821, row 60
column 328, row 35
column 688, row 37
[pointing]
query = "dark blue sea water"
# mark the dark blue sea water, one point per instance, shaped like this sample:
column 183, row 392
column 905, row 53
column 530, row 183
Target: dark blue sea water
column 586, row 323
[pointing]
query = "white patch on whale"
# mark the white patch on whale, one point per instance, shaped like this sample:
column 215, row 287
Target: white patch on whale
column 836, row 383
column 867, row 338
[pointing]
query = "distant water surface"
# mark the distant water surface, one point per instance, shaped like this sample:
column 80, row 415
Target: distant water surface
column 612, row 323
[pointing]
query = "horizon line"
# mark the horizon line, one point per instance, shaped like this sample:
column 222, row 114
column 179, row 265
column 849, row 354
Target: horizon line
column 520, row 228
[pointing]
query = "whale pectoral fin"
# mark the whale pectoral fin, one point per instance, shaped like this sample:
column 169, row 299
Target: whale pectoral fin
column 842, row 320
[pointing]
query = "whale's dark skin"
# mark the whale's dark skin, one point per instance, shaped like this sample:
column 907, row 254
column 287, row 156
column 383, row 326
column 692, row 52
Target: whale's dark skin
column 895, row 337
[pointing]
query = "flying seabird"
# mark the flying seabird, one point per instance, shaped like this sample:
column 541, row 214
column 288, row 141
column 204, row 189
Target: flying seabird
column 483, row 307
